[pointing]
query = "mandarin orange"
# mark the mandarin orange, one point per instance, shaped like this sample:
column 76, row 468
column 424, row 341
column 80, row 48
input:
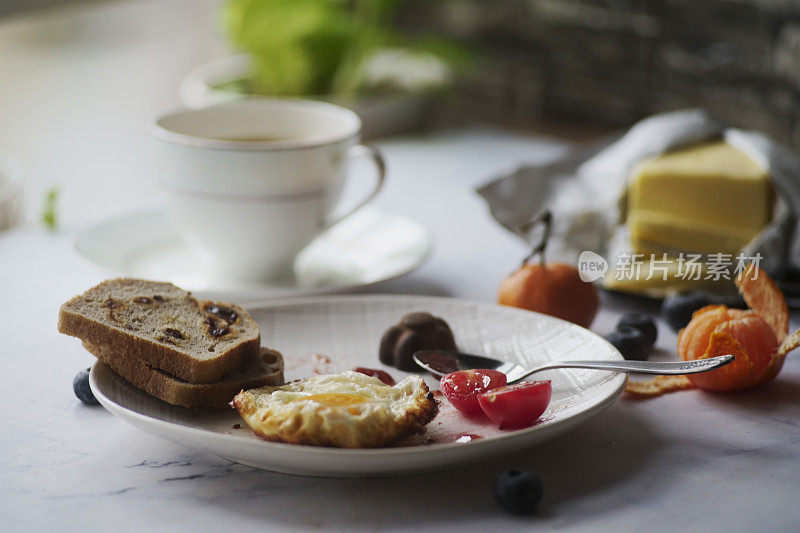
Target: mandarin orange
column 716, row 330
column 554, row 289
column 757, row 337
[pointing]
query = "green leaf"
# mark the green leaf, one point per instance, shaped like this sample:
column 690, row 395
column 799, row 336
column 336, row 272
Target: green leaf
column 49, row 210
column 306, row 47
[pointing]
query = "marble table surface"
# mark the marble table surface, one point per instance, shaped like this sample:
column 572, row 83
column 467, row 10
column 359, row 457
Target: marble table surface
column 73, row 115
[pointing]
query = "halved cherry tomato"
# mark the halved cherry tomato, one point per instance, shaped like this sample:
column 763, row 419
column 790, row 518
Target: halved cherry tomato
column 516, row 406
column 463, row 387
column 375, row 373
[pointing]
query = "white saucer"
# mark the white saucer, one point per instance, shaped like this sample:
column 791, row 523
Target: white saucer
column 371, row 246
column 346, row 331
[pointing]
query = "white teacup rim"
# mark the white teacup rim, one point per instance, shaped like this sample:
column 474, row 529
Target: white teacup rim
column 351, row 126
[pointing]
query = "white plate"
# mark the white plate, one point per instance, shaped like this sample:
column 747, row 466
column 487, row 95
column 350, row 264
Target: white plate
column 347, row 329
column 371, row 246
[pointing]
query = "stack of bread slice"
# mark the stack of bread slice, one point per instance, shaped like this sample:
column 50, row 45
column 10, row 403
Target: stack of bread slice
column 162, row 340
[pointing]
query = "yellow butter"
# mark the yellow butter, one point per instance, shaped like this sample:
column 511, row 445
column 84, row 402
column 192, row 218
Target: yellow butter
column 657, row 276
column 709, row 198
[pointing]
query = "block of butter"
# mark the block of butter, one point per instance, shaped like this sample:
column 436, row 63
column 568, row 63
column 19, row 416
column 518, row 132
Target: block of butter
column 709, row 198
column 656, row 276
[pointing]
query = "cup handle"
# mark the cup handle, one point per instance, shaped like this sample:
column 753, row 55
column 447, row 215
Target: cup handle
column 364, row 150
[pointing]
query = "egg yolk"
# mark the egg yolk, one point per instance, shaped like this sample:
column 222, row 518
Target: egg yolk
column 334, row 399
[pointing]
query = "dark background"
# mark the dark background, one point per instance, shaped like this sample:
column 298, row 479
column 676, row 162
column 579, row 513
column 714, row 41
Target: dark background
column 615, row 61
column 611, row 62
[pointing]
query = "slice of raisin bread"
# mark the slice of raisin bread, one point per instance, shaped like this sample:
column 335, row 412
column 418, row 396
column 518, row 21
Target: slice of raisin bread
column 164, row 327
column 264, row 369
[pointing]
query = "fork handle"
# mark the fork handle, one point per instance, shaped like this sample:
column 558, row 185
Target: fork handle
column 671, row 368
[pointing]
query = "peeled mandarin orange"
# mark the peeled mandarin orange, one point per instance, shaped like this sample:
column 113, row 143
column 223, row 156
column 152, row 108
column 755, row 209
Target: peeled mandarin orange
column 753, row 336
column 717, row 330
column 757, row 337
column 554, row 289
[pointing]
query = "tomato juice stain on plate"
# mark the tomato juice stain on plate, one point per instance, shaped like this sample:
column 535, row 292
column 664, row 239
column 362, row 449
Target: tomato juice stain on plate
column 466, row 437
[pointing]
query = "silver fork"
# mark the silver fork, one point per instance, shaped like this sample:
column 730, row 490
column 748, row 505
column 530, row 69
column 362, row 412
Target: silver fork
column 441, row 362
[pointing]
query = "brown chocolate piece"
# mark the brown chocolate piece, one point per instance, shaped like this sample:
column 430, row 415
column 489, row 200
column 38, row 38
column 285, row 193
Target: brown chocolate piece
column 415, row 332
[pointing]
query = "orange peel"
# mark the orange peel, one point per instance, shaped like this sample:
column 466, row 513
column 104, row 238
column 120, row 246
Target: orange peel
column 657, row 386
column 792, row 342
column 765, row 298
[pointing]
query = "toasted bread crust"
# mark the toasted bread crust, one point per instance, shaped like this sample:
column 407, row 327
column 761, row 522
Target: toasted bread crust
column 163, row 357
column 266, row 370
column 175, row 360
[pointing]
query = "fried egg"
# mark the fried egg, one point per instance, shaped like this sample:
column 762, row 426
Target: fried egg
column 349, row 410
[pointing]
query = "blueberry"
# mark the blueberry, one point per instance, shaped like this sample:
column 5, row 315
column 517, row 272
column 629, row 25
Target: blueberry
column 518, row 491
column 677, row 310
column 643, row 323
column 630, row 342
column 80, row 384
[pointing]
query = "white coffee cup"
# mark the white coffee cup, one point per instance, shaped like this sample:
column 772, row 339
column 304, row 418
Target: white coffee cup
column 252, row 182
